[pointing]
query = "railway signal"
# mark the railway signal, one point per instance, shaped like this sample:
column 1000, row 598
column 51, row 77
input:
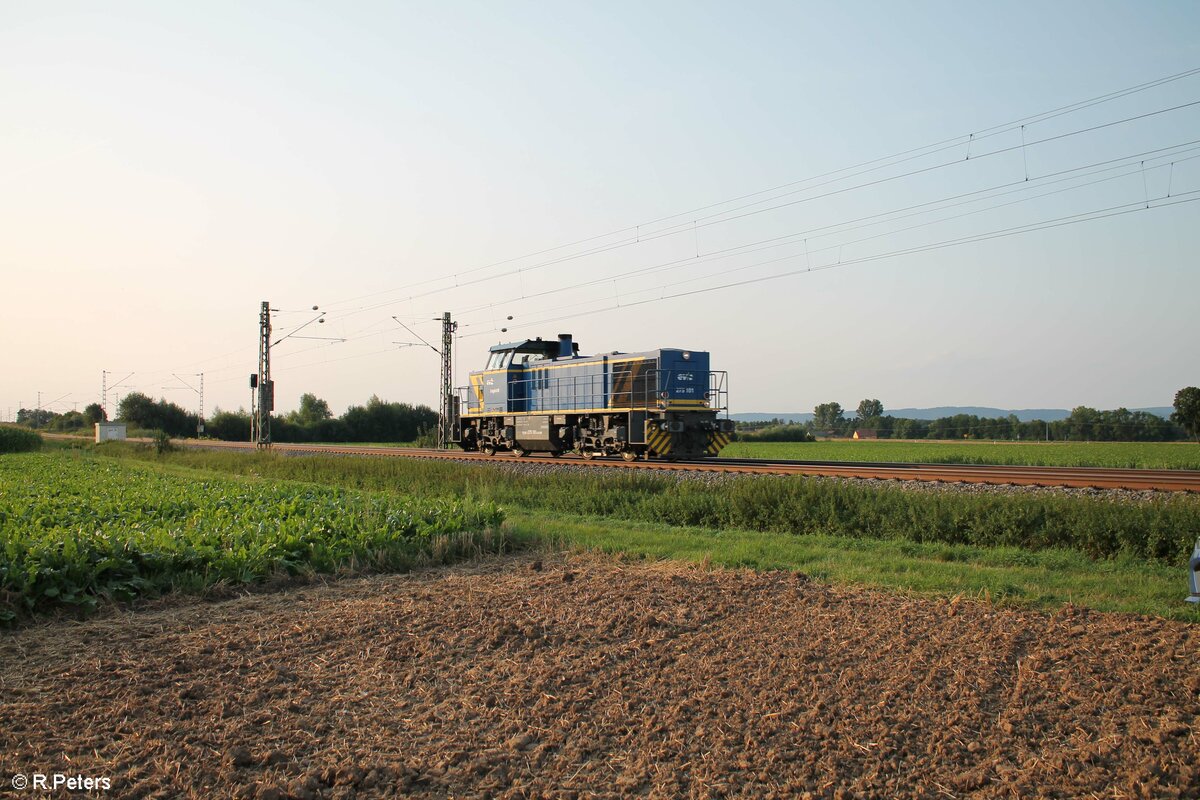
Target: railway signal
column 261, row 383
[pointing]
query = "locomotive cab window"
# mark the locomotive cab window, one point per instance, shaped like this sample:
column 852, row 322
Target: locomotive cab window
column 522, row 359
column 500, row 360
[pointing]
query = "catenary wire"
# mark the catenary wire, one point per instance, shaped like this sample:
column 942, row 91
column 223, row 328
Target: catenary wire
column 922, row 151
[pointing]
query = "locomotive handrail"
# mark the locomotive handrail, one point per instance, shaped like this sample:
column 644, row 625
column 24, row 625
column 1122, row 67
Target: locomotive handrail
column 637, row 389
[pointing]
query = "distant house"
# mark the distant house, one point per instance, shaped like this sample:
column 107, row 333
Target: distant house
column 110, row 432
column 865, row 433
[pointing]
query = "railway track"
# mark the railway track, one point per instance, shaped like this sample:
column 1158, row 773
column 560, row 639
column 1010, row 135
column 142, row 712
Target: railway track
column 1164, row 480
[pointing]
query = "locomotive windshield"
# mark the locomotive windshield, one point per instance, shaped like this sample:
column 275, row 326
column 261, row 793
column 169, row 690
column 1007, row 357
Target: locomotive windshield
column 521, row 355
column 514, row 358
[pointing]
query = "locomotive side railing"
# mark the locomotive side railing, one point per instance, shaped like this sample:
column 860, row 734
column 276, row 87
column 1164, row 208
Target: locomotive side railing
column 637, row 389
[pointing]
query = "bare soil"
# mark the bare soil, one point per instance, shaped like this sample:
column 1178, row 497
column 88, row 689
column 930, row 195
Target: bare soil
column 587, row 677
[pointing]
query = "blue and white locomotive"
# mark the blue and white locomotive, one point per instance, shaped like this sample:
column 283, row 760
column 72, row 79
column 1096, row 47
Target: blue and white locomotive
column 537, row 395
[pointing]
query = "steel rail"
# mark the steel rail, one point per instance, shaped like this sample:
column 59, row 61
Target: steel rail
column 1162, row 480
column 1165, row 480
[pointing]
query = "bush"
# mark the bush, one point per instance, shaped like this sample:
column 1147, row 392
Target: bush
column 162, row 443
column 777, row 433
column 18, row 440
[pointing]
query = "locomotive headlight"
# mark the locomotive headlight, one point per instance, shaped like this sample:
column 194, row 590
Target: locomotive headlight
column 687, row 356
column 664, row 394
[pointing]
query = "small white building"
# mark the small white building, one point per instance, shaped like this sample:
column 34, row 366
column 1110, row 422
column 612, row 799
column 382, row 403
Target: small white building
column 110, row 432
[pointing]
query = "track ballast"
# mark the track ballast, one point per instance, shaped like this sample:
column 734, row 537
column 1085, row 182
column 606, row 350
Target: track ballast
column 1165, row 480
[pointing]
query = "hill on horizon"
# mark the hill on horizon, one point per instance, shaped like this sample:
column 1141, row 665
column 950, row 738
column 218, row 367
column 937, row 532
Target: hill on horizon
column 1023, row 414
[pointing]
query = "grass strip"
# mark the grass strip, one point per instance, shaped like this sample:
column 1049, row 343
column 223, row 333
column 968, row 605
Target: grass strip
column 1005, row 575
column 1115, row 455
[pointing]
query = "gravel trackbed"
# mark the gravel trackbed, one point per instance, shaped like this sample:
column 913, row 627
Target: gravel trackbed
column 585, row 676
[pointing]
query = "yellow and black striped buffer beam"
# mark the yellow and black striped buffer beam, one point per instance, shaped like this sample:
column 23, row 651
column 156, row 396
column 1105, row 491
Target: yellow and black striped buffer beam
column 658, row 440
column 716, row 441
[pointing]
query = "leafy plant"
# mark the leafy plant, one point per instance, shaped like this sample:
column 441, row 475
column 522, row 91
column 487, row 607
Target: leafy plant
column 74, row 531
column 18, row 440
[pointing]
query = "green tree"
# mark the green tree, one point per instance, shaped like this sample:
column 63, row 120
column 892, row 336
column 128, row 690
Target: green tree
column 229, row 426
column 141, row 412
column 70, row 421
column 312, row 410
column 34, row 417
column 828, row 416
column 1187, row 410
column 137, row 409
column 94, row 413
column 869, row 409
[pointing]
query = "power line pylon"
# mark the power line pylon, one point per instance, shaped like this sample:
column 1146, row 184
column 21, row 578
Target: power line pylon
column 266, row 388
column 448, row 417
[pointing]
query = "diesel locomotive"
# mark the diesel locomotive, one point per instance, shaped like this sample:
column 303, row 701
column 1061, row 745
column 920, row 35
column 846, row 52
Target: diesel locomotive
column 543, row 396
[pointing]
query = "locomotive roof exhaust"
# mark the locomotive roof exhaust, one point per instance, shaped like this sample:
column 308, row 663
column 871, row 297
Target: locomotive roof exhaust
column 566, row 348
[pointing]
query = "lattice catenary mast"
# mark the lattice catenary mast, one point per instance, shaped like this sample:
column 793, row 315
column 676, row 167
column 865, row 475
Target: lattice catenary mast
column 266, row 387
column 448, row 416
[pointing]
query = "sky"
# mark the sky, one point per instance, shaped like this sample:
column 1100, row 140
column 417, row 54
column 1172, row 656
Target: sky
column 837, row 201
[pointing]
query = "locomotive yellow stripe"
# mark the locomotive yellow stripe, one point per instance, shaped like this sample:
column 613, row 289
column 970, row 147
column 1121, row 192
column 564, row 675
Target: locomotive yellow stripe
column 477, row 385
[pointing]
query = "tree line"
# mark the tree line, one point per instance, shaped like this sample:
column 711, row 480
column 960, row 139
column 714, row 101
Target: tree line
column 1083, row 424
column 380, row 421
column 70, row 422
column 376, row 421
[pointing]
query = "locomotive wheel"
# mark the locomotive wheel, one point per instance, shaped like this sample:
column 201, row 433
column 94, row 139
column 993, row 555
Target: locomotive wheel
column 488, row 450
column 588, row 455
column 519, row 451
column 629, row 455
column 555, row 453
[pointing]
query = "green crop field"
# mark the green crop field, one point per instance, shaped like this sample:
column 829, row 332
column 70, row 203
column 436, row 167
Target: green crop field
column 1132, row 455
column 1162, row 528
column 80, row 526
column 77, row 529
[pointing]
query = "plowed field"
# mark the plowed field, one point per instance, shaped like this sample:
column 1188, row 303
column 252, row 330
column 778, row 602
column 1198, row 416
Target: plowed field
column 588, row 677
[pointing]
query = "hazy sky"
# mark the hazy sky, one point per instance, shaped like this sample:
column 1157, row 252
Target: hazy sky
column 165, row 167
